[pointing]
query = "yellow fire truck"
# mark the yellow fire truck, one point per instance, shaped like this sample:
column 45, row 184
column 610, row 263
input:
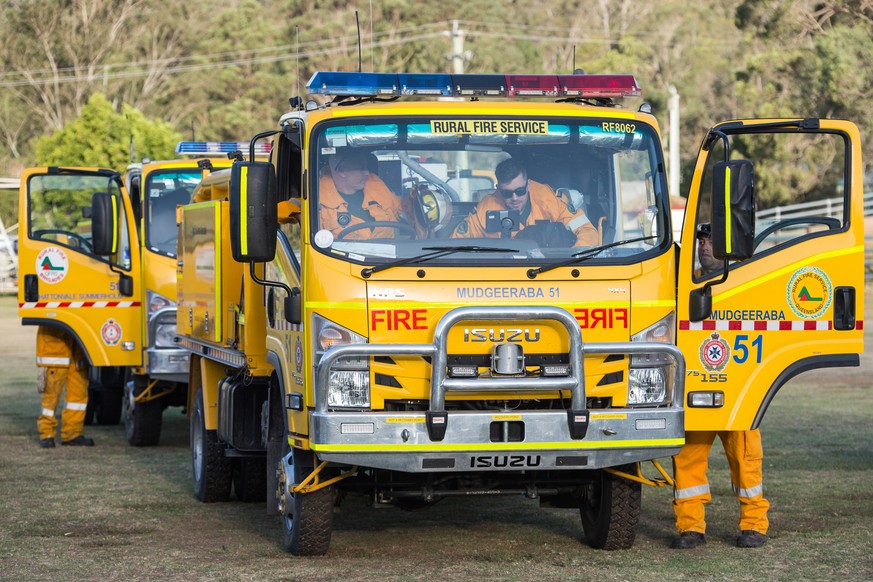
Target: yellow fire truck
column 119, row 302
column 414, row 339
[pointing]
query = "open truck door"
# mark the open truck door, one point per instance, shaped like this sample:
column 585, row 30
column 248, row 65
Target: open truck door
column 76, row 250
column 782, row 203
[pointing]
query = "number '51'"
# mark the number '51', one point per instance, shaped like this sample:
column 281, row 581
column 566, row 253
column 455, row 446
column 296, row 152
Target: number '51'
column 741, row 348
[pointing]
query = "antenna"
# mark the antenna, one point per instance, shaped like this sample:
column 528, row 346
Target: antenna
column 193, row 133
column 358, row 24
column 372, row 43
column 574, row 57
column 297, row 29
column 131, row 148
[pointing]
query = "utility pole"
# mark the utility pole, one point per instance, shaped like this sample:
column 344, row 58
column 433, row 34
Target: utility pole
column 457, row 55
column 673, row 152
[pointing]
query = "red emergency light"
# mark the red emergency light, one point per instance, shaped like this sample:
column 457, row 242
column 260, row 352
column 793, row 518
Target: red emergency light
column 532, row 86
column 599, row 85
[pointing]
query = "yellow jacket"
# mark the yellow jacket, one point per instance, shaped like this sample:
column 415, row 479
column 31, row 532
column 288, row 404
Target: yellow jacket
column 544, row 205
column 53, row 348
column 379, row 201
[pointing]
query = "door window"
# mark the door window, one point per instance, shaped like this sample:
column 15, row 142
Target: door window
column 55, row 212
column 801, row 190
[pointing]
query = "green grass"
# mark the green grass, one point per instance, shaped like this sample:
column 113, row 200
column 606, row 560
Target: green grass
column 118, row 513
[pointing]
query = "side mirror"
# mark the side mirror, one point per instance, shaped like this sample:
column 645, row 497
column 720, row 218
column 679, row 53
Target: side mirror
column 700, row 304
column 293, row 307
column 733, row 210
column 253, row 216
column 125, row 285
column 104, row 213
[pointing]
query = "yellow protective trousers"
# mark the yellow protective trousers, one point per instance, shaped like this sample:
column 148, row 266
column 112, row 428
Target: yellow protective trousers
column 745, row 455
column 55, row 351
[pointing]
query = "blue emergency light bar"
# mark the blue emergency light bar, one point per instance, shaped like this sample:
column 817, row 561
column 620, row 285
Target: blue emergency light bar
column 220, row 148
column 391, row 85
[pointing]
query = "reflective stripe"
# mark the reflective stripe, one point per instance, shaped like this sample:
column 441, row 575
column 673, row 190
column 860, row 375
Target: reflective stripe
column 577, row 222
column 48, row 412
column 750, row 492
column 77, row 405
column 691, row 491
column 53, row 361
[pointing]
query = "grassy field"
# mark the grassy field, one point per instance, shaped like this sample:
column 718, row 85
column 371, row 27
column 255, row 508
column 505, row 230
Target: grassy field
column 118, row 513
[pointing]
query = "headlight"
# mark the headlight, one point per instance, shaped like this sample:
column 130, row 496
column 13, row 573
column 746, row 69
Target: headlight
column 156, row 302
column 165, row 331
column 649, row 374
column 349, row 377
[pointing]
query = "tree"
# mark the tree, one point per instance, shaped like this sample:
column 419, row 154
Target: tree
column 100, row 136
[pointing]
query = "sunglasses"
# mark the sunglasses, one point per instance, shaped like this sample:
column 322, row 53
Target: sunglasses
column 518, row 192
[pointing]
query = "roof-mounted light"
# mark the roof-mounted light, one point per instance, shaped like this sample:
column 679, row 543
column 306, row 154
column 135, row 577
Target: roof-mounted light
column 199, row 149
column 479, row 85
column 599, row 85
column 389, row 84
column 424, row 84
column 362, row 84
column 532, row 85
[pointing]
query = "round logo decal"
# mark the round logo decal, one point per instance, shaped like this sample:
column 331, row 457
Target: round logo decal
column 809, row 292
column 52, row 265
column 111, row 332
column 323, row 239
column 714, row 353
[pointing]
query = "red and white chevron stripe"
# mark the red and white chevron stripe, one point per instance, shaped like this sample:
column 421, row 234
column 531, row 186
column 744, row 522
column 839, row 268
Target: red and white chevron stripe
column 76, row 304
column 793, row 325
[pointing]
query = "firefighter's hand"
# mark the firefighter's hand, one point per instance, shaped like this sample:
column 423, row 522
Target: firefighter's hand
column 40, row 379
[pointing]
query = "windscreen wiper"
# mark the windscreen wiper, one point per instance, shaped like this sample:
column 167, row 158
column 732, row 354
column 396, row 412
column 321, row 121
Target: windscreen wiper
column 436, row 252
column 583, row 256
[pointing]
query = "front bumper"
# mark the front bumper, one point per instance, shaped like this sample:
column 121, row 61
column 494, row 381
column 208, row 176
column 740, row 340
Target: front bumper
column 440, row 441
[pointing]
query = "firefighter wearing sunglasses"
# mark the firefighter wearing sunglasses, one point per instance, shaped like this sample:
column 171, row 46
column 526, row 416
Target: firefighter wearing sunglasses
column 533, row 202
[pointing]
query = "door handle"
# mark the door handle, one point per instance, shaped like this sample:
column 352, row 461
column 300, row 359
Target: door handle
column 844, row 308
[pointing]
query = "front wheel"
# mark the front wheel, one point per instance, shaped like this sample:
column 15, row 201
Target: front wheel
column 307, row 518
column 212, row 469
column 142, row 420
column 610, row 510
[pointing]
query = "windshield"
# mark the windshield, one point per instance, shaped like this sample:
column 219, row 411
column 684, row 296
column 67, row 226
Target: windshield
column 164, row 190
column 543, row 189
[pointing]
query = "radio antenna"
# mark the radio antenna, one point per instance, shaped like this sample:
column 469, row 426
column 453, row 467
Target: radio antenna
column 574, row 57
column 372, row 42
column 360, row 56
column 297, row 31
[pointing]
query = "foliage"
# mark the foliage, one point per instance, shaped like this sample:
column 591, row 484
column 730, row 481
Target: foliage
column 231, row 74
column 101, row 137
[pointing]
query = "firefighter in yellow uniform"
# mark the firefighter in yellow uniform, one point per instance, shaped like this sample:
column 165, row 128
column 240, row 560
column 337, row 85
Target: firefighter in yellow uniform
column 745, row 455
column 61, row 364
column 349, row 195
column 533, row 201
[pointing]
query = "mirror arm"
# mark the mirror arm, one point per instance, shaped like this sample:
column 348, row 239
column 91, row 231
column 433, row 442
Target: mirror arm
column 260, row 281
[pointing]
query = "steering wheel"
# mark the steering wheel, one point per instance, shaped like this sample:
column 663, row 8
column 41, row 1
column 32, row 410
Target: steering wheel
column 829, row 221
column 82, row 242
column 398, row 226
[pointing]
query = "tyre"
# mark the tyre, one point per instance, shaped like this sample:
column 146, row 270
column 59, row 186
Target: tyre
column 104, row 395
column 610, row 510
column 212, row 469
column 307, row 518
column 142, row 420
column 250, row 478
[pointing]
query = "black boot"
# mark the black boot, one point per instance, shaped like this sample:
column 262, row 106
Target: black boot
column 79, row 441
column 750, row 538
column 688, row 540
column 48, row 443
